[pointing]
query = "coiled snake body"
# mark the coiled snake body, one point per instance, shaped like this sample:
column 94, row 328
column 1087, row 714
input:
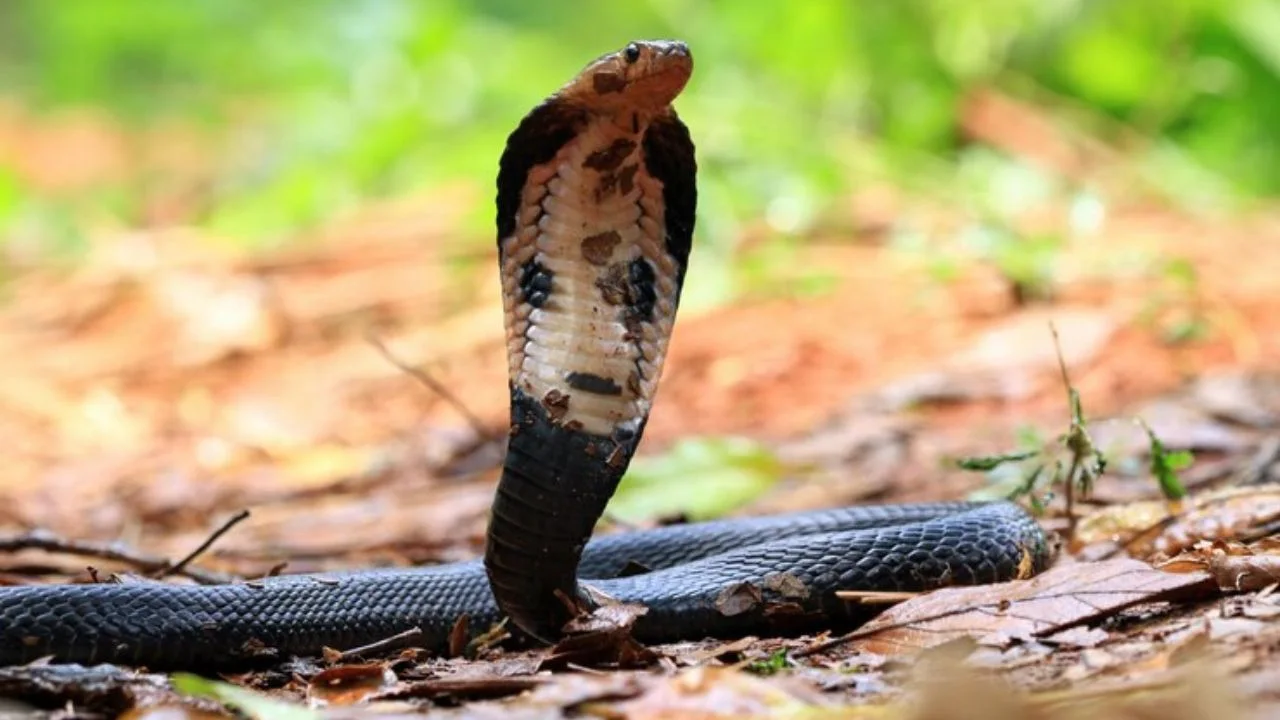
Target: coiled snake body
column 595, row 214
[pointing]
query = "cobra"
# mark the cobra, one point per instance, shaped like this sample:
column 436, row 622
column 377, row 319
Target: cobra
column 596, row 199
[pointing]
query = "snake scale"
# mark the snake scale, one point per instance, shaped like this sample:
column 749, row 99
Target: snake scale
column 596, row 196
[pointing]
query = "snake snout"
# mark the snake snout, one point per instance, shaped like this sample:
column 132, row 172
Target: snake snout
column 675, row 47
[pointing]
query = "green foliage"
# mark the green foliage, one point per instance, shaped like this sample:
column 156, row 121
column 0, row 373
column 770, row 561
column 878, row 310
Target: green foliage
column 1175, row 308
column 1165, row 465
column 321, row 104
column 702, row 478
column 1072, row 462
column 986, row 463
column 771, row 665
column 249, row 703
column 10, row 196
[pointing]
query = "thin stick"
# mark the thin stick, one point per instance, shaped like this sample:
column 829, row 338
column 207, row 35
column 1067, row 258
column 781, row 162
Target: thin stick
column 836, row 642
column 1072, row 520
column 396, row 640
column 181, row 565
column 875, row 597
column 424, row 378
column 48, row 542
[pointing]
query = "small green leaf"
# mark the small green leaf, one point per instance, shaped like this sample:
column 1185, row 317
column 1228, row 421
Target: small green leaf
column 985, row 463
column 253, row 704
column 702, row 477
column 1028, row 489
column 1165, row 465
column 771, row 665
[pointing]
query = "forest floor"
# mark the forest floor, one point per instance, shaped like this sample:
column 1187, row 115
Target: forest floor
column 166, row 384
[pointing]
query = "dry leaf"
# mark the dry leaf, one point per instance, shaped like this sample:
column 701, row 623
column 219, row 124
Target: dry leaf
column 1061, row 598
column 1236, row 567
column 1245, row 573
column 458, row 635
column 602, row 637
column 1152, row 527
column 718, row 692
column 349, row 684
column 471, row 687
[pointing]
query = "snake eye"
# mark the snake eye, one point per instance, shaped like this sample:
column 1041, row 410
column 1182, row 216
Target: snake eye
column 632, row 53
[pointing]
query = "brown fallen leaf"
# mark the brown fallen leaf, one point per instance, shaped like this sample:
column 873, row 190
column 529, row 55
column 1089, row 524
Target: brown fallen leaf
column 707, row 692
column 1145, row 528
column 948, row 690
column 458, row 635
column 349, row 684
column 1063, row 597
column 1245, row 573
column 1235, row 567
column 601, row 637
column 569, row 693
column 721, row 651
column 471, row 687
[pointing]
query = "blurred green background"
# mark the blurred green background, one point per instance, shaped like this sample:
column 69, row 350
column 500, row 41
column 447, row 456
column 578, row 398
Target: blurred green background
column 312, row 107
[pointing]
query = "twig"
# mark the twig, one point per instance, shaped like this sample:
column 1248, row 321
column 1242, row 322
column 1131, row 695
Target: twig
column 1085, row 458
column 875, row 597
column 1075, row 459
column 844, row 639
column 48, row 542
column 1072, row 520
column 413, row 633
column 181, row 565
column 431, row 384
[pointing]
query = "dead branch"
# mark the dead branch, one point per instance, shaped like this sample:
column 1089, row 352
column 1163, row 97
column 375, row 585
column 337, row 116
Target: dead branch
column 181, row 565
column 395, row 641
column 435, row 386
column 148, row 564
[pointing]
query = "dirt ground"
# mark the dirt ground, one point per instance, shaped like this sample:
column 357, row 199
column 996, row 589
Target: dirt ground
column 167, row 384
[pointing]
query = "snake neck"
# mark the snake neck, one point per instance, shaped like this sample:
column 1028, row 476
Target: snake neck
column 555, row 485
column 591, row 273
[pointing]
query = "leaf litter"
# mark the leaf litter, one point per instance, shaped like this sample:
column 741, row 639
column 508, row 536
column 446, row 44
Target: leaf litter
column 294, row 414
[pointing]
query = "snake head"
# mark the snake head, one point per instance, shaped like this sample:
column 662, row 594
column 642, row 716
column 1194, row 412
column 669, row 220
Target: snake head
column 645, row 76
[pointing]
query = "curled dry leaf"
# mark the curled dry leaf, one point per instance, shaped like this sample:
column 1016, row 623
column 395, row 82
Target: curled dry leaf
column 458, row 635
column 601, row 637
column 349, row 684
column 1235, row 567
column 1147, row 528
column 1063, row 597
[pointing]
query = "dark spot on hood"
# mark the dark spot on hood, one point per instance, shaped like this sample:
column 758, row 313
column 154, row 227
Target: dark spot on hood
column 610, row 157
column 592, row 383
column 598, row 248
column 607, row 82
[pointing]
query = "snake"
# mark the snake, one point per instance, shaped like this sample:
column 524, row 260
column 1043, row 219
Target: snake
column 595, row 211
